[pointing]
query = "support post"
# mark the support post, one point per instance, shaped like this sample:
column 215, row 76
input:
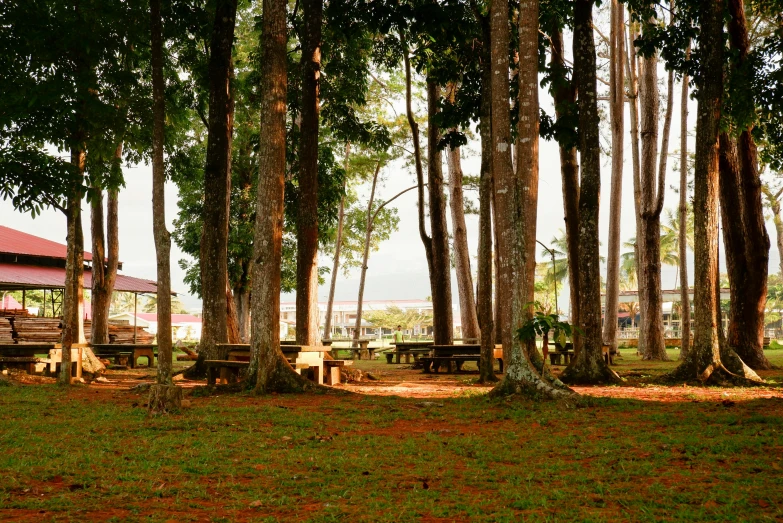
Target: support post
column 135, row 318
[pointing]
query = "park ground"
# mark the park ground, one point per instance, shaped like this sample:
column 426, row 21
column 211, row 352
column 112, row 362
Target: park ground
column 403, row 447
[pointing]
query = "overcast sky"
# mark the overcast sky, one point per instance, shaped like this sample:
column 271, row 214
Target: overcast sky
column 399, row 269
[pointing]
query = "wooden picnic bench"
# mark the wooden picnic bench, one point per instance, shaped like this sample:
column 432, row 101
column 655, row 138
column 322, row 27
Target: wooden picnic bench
column 24, row 356
column 408, row 349
column 457, row 355
column 312, row 355
column 229, row 370
column 122, row 352
column 356, row 352
column 332, row 370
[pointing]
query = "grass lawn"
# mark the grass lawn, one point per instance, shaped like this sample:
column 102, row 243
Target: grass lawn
column 93, row 454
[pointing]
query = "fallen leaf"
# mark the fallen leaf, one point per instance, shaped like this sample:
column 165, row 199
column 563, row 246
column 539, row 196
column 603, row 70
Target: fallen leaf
column 256, row 503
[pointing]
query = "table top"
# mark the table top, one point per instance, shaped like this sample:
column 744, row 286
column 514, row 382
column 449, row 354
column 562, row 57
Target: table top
column 412, row 344
column 237, row 347
column 120, row 346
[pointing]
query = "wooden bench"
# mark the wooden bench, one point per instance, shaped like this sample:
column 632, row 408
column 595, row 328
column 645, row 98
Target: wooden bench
column 397, row 354
column 433, row 363
column 229, row 370
column 26, row 363
column 133, row 351
column 557, row 357
column 356, row 352
column 332, row 370
column 766, row 342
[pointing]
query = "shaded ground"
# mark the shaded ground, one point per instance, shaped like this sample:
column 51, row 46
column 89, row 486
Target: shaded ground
column 91, row 453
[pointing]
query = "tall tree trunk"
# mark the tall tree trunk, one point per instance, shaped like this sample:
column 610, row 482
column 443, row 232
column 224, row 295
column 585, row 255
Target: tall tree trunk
column 104, row 275
column 651, row 193
column 164, row 396
column 685, row 300
column 485, row 262
column 510, row 197
column 242, row 306
column 217, row 184
column 467, row 300
column 617, row 114
column 633, row 80
column 268, row 366
column 365, row 258
column 564, row 95
column 72, row 319
column 706, row 361
column 440, row 268
column 588, row 365
column 744, row 232
column 307, row 211
column 485, row 258
column 337, row 248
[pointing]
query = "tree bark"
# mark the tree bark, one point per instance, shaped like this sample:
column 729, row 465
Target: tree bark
column 467, row 300
column 706, row 361
column 365, row 258
column 440, row 268
column 72, row 324
column 617, row 116
column 164, row 399
column 588, row 365
column 268, row 366
column 685, row 300
column 485, row 259
column 744, row 232
column 307, row 211
column 242, row 305
column 633, row 80
column 651, row 193
column 564, row 95
column 104, row 274
column 521, row 376
column 217, row 184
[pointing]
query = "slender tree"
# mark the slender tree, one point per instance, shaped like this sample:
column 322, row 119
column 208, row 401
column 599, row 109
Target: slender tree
column 105, row 244
column 307, row 210
column 467, row 299
column 588, row 365
column 164, row 396
column 268, row 366
column 773, row 201
column 365, row 258
column 685, row 299
column 617, row 116
column 217, row 182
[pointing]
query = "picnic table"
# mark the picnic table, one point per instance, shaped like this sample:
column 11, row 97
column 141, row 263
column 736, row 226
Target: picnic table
column 24, row 355
column 408, row 349
column 301, row 357
column 120, row 351
column 457, row 355
column 356, row 352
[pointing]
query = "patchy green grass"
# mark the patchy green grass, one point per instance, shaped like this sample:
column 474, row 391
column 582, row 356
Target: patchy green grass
column 94, row 455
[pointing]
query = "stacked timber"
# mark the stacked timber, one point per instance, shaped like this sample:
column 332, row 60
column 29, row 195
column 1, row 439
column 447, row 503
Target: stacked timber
column 37, row 330
column 122, row 333
column 6, row 331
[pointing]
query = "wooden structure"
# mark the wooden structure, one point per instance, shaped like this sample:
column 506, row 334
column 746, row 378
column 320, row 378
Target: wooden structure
column 454, row 356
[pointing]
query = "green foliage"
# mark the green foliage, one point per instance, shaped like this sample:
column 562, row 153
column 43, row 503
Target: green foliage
column 392, row 316
column 542, row 324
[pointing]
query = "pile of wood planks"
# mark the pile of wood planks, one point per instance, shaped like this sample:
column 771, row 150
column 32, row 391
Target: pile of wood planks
column 122, row 333
column 6, row 331
column 37, row 330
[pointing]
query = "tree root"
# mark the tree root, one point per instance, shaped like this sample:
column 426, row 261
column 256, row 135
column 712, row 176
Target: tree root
column 582, row 371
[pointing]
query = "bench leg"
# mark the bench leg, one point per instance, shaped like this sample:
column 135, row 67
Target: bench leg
column 397, row 358
column 210, row 375
column 389, row 358
column 459, row 366
column 500, row 365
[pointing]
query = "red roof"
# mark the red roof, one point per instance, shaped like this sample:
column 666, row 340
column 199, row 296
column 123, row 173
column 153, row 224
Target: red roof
column 16, row 276
column 175, row 318
column 10, row 303
column 17, row 242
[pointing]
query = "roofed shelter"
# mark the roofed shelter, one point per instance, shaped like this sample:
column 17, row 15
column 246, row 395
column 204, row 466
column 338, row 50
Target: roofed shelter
column 29, row 262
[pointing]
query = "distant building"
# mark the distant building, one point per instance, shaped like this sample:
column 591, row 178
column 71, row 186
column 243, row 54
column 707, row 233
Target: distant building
column 344, row 316
column 183, row 326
